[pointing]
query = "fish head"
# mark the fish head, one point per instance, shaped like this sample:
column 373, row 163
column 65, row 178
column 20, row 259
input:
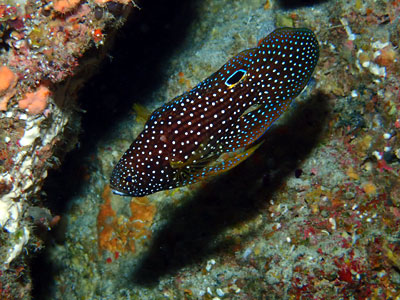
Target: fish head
column 123, row 179
column 144, row 168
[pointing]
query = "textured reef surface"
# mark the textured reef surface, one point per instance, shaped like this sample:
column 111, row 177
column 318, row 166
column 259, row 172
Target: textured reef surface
column 44, row 61
column 314, row 213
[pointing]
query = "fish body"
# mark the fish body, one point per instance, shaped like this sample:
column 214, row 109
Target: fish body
column 218, row 123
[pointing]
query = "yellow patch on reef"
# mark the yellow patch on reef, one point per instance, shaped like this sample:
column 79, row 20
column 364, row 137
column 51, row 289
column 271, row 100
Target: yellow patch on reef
column 369, row 188
column 352, row 174
column 364, row 144
column 117, row 234
column 316, row 196
column 391, row 255
column 141, row 112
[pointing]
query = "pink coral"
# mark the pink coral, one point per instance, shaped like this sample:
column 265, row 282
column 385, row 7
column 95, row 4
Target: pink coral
column 35, row 102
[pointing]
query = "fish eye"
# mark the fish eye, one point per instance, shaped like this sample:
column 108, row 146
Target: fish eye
column 235, row 77
column 129, row 178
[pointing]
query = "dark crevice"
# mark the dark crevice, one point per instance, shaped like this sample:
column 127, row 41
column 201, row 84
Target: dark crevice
column 131, row 72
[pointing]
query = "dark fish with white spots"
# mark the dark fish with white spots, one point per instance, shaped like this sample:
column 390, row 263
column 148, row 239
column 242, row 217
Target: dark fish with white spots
column 218, row 124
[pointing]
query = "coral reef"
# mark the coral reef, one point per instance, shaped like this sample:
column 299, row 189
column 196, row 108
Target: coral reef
column 42, row 45
column 313, row 214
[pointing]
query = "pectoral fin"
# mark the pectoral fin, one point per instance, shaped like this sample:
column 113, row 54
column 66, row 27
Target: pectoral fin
column 198, row 171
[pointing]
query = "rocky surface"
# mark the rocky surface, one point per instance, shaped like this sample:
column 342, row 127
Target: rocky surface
column 43, row 64
column 313, row 214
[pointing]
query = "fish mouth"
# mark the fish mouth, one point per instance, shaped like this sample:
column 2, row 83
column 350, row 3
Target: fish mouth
column 116, row 192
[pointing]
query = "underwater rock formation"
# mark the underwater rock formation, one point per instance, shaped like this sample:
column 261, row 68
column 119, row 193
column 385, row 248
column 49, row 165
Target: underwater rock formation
column 43, row 64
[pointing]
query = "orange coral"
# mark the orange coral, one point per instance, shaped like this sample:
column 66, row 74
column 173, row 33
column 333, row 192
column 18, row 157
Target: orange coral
column 64, row 6
column 142, row 210
column 105, row 219
column 183, row 80
column 117, row 235
column 35, row 102
column 142, row 216
column 387, row 57
column 8, row 80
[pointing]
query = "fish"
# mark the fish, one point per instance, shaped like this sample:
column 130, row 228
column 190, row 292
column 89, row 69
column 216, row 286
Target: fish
column 219, row 123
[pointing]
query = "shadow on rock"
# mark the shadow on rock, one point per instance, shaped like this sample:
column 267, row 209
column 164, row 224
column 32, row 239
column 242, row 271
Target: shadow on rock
column 237, row 196
column 133, row 71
